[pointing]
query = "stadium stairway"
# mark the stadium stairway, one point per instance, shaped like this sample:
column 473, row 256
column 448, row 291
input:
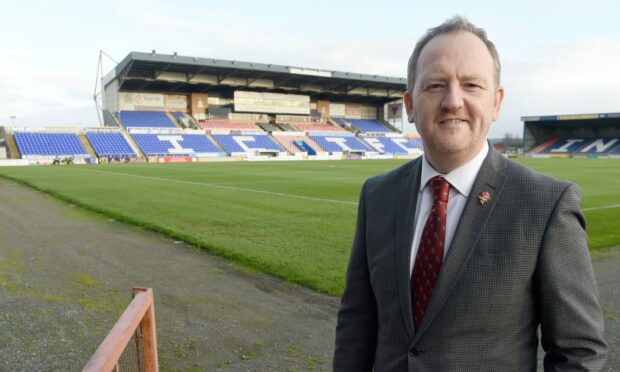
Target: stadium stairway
column 389, row 126
column 347, row 126
column 11, row 146
column 3, row 151
column 133, row 144
column 191, row 122
column 110, row 119
column 215, row 143
column 173, row 119
column 334, row 122
column 87, row 145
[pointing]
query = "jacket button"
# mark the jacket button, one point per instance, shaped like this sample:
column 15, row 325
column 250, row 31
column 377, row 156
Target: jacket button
column 414, row 352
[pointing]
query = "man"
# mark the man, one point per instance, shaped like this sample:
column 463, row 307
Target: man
column 461, row 255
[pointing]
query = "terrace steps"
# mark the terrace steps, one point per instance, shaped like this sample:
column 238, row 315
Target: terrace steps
column 3, row 150
column 11, row 146
column 190, row 121
column 111, row 119
column 347, row 126
column 215, row 143
column 133, row 144
column 87, row 145
column 389, row 126
column 173, row 119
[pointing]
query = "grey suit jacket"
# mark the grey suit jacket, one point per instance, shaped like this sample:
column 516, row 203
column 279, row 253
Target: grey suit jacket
column 517, row 262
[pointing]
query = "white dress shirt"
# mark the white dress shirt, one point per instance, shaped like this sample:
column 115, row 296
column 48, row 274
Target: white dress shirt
column 461, row 181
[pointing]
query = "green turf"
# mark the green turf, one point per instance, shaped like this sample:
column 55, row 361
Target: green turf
column 599, row 180
column 294, row 220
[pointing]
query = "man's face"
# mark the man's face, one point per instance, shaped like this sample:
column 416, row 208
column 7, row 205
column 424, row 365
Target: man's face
column 454, row 99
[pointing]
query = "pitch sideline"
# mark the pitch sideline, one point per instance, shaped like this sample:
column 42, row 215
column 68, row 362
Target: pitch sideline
column 229, row 187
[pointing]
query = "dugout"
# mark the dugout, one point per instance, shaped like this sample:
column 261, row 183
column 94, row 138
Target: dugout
column 541, row 132
column 207, row 88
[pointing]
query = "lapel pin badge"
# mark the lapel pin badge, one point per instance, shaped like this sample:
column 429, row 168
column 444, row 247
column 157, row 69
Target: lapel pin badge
column 484, row 197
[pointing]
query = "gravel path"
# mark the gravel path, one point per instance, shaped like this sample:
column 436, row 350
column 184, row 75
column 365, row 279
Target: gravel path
column 66, row 274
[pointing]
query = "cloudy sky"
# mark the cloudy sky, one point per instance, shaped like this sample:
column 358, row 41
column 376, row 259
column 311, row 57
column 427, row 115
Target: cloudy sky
column 559, row 57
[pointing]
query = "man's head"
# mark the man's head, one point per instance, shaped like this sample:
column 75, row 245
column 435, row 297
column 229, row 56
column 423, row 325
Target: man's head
column 453, row 93
column 453, row 24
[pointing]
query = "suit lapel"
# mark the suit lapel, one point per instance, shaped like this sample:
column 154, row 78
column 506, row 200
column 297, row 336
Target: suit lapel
column 405, row 213
column 473, row 218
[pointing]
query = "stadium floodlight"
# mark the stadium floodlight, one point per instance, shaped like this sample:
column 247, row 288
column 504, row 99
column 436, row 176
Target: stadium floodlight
column 153, row 52
column 174, row 55
column 13, row 117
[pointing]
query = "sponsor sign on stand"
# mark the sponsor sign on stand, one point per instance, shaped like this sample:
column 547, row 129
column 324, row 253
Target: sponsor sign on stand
column 176, row 102
column 337, row 110
column 175, row 159
column 141, row 101
column 353, row 111
column 274, row 103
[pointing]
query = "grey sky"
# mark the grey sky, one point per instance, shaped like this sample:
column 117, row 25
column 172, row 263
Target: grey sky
column 559, row 57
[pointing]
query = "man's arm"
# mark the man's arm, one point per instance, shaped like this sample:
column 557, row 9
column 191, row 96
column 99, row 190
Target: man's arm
column 571, row 317
column 356, row 332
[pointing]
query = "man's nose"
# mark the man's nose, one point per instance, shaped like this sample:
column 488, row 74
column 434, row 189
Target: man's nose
column 452, row 99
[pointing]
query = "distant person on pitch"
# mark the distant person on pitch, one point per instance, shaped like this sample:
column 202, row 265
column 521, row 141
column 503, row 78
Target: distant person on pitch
column 461, row 255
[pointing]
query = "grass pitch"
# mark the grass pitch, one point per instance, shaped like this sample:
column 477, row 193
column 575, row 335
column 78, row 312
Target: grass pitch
column 294, row 220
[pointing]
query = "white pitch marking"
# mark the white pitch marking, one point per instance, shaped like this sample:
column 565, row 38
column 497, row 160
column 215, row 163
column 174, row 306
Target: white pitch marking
column 228, row 187
column 603, row 207
column 293, row 179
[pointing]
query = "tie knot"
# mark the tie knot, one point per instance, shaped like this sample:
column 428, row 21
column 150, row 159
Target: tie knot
column 440, row 188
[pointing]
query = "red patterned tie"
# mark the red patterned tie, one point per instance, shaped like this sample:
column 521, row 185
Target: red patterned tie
column 430, row 252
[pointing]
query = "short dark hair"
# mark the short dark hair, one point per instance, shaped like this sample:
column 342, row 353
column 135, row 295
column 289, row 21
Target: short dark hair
column 454, row 24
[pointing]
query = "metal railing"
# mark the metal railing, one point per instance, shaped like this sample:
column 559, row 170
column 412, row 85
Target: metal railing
column 131, row 345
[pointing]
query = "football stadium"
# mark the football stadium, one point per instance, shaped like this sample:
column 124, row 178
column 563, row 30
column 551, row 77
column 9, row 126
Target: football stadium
column 171, row 108
column 260, row 165
column 577, row 136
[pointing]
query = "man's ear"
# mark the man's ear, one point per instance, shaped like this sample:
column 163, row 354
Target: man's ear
column 499, row 98
column 408, row 99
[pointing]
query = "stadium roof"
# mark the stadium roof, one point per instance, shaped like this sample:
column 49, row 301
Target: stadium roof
column 588, row 117
column 152, row 72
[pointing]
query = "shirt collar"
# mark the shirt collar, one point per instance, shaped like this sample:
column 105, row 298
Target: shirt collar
column 462, row 178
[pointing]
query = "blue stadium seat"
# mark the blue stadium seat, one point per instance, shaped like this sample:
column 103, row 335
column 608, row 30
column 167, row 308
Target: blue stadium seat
column 340, row 143
column 174, row 144
column 49, row 144
column 108, row 144
column 393, row 145
column 566, row 146
column 340, row 122
column 145, row 119
column 247, row 143
column 600, row 146
column 178, row 115
column 366, row 125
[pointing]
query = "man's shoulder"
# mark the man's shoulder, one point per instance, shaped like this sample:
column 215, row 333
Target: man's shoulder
column 528, row 179
column 394, row 177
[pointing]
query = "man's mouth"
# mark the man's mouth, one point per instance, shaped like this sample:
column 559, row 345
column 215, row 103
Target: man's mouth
column 452, row 121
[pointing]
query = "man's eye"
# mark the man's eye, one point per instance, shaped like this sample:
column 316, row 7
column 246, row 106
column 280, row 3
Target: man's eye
column 435, row 86
column 473, row 86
